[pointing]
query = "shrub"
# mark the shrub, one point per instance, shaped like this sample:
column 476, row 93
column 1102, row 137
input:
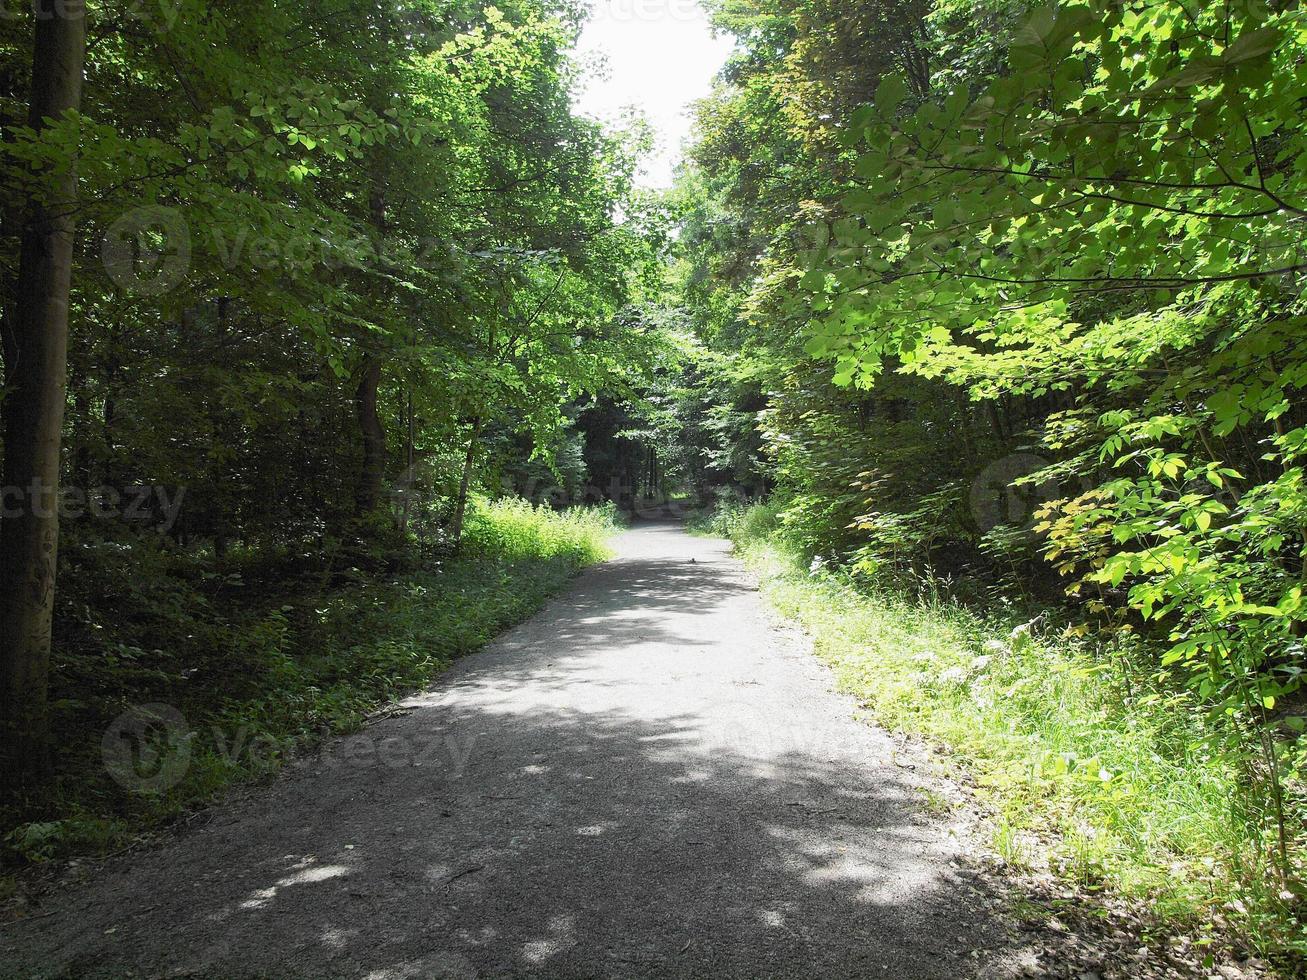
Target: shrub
column 1085, row 754
column 276, row 668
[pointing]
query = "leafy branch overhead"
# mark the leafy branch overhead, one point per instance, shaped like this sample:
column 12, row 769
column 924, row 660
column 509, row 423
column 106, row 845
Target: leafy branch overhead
column 1031, row 323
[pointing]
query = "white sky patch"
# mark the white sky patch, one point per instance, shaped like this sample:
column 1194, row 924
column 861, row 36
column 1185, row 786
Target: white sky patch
column 659, row 56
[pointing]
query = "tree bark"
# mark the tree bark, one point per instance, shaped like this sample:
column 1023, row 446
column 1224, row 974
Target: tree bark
column 36, row 361
column 371, row 473
column 409, row 459
column 460, row 509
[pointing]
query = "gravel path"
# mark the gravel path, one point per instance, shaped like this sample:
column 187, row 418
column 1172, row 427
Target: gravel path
column 650, row 778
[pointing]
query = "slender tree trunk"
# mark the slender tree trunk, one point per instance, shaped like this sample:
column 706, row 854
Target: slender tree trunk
column 460, row 509
column 372, row 472
column 995, row 423
column 368, row 492
column 36, row 360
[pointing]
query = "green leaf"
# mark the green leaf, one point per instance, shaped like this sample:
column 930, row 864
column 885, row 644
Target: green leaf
column 1252, row 44
column 890, row 94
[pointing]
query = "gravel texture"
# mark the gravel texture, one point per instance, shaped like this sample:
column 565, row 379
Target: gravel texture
column 650, row 778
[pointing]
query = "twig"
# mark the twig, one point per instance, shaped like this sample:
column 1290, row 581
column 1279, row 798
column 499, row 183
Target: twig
column 466, row 871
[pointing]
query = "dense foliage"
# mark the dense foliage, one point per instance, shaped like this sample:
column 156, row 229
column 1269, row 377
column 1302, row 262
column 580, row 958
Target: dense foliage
column 336, row 268
column 1015, row 297
column 1002, row 305
column 1117, row 793
column 259, row 678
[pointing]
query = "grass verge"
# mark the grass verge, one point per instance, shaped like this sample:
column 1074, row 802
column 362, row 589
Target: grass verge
column 311, row 667
column 1091, row 769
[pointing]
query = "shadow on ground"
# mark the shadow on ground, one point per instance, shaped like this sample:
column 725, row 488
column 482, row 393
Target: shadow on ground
column 636, row 783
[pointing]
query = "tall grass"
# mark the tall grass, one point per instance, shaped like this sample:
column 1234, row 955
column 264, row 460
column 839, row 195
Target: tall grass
column 1089, row 766
column 307, row 665
column 513, row 529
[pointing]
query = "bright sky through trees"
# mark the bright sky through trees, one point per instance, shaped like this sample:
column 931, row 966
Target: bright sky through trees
column 660, row 56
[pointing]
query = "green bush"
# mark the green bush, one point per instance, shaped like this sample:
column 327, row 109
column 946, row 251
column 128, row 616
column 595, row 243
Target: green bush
column 282, row 674
column 1088, row 760
column 741, row 521
column 513, row 529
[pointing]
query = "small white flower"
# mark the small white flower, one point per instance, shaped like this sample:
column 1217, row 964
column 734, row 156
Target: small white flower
column 953, row 676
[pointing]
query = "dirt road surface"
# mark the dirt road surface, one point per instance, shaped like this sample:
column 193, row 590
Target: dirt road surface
column 650, row 778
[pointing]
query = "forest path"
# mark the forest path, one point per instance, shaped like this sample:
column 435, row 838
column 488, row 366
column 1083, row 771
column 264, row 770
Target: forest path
column 648, row 778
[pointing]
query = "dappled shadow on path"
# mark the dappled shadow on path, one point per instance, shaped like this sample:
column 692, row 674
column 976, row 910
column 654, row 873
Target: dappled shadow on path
column 563, row 815
column 567, row 847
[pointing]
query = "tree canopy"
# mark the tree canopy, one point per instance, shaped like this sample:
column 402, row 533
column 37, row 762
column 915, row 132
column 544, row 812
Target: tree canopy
column 1005, row 298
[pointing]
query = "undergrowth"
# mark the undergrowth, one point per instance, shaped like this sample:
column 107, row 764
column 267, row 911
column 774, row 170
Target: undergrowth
column 287, row 671
column 1090, row 766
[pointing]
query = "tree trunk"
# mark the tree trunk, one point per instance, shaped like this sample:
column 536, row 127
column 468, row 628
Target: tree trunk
column 456, row 528
column 371, row 474
column 368, row 493
column 410, row 477
column 36, row 359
